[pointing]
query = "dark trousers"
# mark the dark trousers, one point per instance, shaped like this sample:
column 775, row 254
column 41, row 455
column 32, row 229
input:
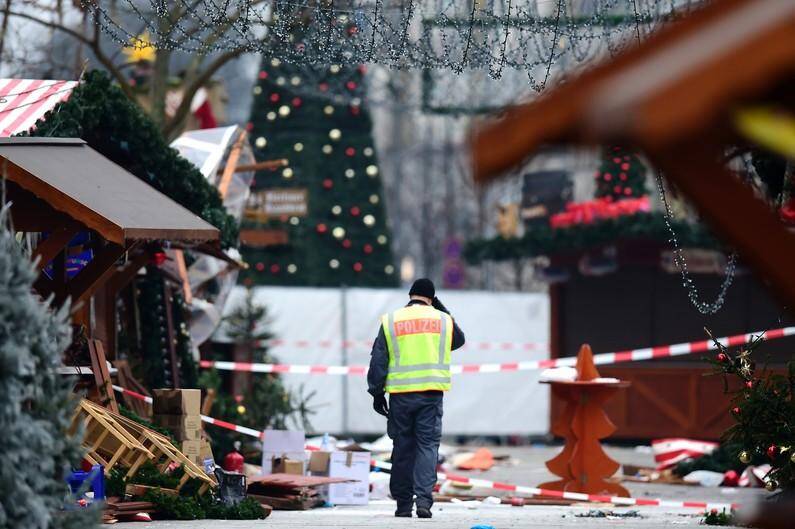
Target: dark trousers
column 415, row 427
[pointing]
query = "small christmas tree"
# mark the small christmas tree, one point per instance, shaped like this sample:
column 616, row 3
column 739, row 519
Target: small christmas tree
column 621, row 175
column 36, row 404
column 343, row 238
column 261, row 401
column 764, row 412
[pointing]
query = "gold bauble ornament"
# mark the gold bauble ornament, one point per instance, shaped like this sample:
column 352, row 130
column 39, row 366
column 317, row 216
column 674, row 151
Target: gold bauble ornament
column 241, row 409
column 771, row 485
column 745, row 457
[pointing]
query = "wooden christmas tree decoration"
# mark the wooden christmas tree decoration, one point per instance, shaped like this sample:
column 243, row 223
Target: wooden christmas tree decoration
column 583, row 466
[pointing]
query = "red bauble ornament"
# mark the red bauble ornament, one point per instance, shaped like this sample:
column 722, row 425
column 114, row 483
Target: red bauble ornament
column 772, row 451
column 321, row 228
column 351, row 85
column 722, row 357
column 275, row 269
column 233, row 462
column 323, row 87
column 350, row 151
column 357, row 267
column 260, row 267
column 355, row 110
column 346, row 243
column 297, row 102
column 616, row 160
column 368, row 248
column 622, row 176
column 730, row 478
column 749, row 384
column 355, row 211
column 617, row 190
column 608, row 177
column 263, row 75
column 328, row 183
column 627, row 191
column 736, row 410
column 249, row 126
column 274, row 98
column 625, row 166
column 159, row 258
column 597, row 174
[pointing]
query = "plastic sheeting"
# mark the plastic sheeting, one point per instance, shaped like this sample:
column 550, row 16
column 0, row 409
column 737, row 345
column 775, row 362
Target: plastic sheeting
column 479, row 404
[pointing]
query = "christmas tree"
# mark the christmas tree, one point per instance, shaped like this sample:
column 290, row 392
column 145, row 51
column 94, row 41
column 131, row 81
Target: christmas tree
column 36, row 404
column 621, row 175
column 343, row 238
column 254, row 400
column 763, row 407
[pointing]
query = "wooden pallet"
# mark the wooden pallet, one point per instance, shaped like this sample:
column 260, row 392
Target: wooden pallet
column 111, row 439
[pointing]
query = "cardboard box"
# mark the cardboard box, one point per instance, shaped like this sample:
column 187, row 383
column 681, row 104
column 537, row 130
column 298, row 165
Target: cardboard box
column 192, row 450
column 285, row 465
column 281, row 444
column 176, row 401
column 200, row 453
column 183, row 427
column 340, row 464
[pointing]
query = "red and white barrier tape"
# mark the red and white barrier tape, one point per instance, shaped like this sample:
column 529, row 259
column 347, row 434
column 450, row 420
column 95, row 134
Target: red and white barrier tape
column 632, row 355
column 494, row 485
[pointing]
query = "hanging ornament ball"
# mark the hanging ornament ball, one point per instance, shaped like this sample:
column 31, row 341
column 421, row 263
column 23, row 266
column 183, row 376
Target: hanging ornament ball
column 297, row 102
column 369, row 220
column 337, row 209
column 323, row 87
column 608, row 177
column 736, row 410
column 627, row 191
column 625, row 166
column 617, row 190
column 350, row 151
column 334, row 134
column 338, row 232
column 371, row 170
column 260, row 142
column 298, row 147
column 275, row 269
column 622, row 176
column 355, row 211
column 291, row 268
column 334, row 68
column 295, row 80
column 350, row 173
column 257, row 90
column 381, row 239
column 287, row 172
column 284, row 111
column 389, row 269
column 295, row 221
column 328, row 110
column 346, row 243
column 355, row 110
column 260, row 266
column 368, row 248
column 745, row 457
column 771, row 485
column 357, row 267
column 263, row 75
column 249, row 126
column 374, row 199
column 327, row 149
column 328, row 183
column 749, row 384
column 597, row 175
column 730, row 478
column 368, row 151
column 321, row 228
column 274, row 97
column 241, row 410
column 722, row 357
column 350, row 85
column 334, row 264
column 275, row 63
column 772, row 451
column 616, row 160
column 281, row 81
column 270, row 116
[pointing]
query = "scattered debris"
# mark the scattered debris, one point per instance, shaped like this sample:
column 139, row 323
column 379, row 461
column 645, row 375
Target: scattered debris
column 610, row 515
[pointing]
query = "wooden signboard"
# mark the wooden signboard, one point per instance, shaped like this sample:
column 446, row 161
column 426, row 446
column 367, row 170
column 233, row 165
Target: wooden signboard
column 275, row 203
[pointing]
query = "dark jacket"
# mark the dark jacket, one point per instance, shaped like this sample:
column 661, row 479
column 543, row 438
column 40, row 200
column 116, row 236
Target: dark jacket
column 379, row 357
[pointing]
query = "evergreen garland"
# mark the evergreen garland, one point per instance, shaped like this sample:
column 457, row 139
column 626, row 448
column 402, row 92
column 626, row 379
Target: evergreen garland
column 545, row 240
column 36, row 403
column 98, row 112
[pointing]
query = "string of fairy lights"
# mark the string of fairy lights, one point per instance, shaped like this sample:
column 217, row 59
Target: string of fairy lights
column 494, row 36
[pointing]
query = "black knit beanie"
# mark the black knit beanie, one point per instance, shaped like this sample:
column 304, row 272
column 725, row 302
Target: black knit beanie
column 423, row 287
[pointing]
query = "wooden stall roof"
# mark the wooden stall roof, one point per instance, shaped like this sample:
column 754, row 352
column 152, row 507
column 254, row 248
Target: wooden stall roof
column 679, row 80
column 74, row 179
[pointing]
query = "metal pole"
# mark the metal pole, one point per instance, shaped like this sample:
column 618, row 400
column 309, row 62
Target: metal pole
column 344, row 351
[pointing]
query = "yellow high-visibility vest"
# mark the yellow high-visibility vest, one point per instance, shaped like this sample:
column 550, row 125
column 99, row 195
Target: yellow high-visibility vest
column 419, row 339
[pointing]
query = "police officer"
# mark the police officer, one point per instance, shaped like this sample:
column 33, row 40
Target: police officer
column 411, row 361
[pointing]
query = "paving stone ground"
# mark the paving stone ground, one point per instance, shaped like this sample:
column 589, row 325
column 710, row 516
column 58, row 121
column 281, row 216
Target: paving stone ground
column 527, row 469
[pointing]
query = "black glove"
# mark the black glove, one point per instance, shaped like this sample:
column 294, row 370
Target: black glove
column 380, row 406
column 438, row 305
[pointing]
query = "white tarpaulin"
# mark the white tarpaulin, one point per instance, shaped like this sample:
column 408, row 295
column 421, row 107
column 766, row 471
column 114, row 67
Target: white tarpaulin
column 500, row 327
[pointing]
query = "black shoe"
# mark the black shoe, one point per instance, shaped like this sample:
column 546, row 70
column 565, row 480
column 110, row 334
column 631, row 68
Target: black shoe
column 402, row 514
column 423, row 512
